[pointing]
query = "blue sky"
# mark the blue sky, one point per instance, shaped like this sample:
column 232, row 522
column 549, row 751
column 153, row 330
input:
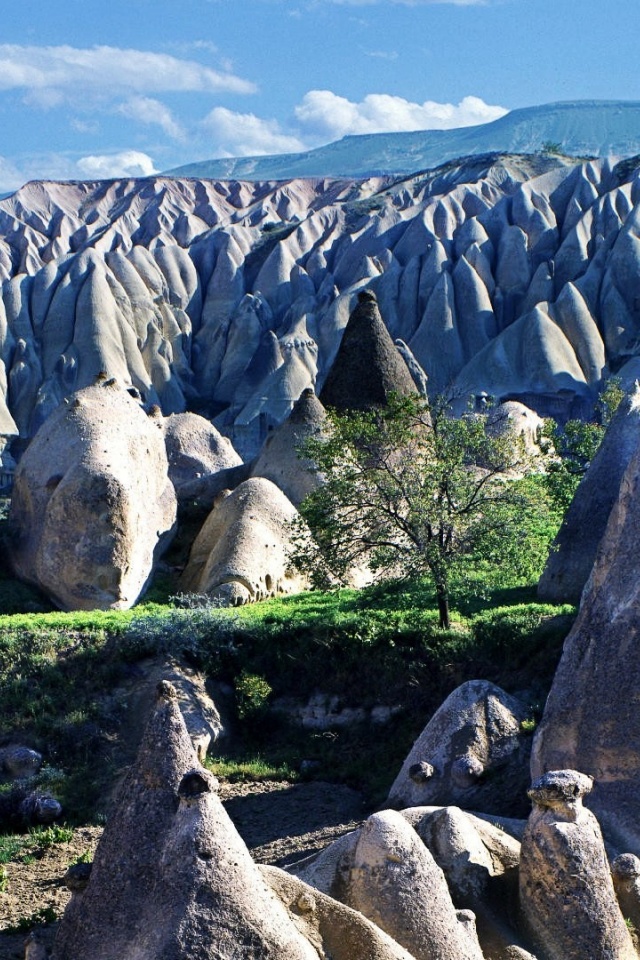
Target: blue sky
column 99, row 88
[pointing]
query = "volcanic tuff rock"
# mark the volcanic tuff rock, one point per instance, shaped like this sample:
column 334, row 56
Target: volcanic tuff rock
column 280, row 460
column 171, row 877
column 566, row 890
column 195, row 448
column 92, row 505
column 242, row 552
column 575, row 547
column 591, row 722
column 368, row 367
column 472, row 753
column 509, row 275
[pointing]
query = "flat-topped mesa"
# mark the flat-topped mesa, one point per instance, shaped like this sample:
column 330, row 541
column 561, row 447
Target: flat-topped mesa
column 368, row 366
column 566, row 892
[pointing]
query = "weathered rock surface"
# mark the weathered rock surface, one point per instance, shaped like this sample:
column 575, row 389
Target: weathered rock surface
column 368, row 367
column 171, row 877
column 280, row 459
column 590, row 722
column 472, row 753
column 515, row 420
column 566, row 890
column 335, row 929
column 396, row 883
column 625, row 871
column 575, row 547
column 480, row 862
column 195, row 448
column 242, row 552
column 509, row 275
column 92, row 505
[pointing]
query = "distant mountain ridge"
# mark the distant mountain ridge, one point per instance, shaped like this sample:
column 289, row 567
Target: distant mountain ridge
column 583, row 128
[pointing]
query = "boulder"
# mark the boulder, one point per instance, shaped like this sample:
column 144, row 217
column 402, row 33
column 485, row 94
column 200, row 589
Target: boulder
column 590, row 721
column 279, row 459
column 92, row 505
column 19, row 762
column 480, row 862
column 195, row 448
column 515, row 420
column 566, row 891
column 574, row 549
column 171, row 877
column 242, row 552
column 473, row 754
column 625, row 871
column 368, row 365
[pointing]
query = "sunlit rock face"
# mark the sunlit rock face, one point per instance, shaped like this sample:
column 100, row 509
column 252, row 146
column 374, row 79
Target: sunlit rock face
column 92, row 506
column 512, row 276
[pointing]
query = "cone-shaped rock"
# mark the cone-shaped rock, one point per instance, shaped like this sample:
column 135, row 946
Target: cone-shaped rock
column 342, row 933
column 172, row 880
column 279, row 461
column 396, row 883
column 576, row 544
column 368, row 366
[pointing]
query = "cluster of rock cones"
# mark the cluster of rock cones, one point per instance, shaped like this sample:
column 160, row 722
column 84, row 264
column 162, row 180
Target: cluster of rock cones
column 172, row 879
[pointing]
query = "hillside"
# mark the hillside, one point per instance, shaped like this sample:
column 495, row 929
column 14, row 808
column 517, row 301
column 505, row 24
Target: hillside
column 580, row 128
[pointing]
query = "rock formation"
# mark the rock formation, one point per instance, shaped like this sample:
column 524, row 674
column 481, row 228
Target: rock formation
column 508, row 275
column 92, row 504
column 575, row 547
column 195, row 448
column 472, row 753
column 395, row 882
column 171, row 877
column 590, row 722
column 566, row 890
column 242, row 552
column 368, row 366
column 280, row 459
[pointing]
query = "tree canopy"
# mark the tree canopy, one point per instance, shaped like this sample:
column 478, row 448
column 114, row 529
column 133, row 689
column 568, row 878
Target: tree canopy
column 408, row 490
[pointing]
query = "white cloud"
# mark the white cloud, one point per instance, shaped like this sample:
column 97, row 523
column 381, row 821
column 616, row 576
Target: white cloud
column 128, row 163
column 244, row 134
column 151, row 111
column 72, row 72
column 327, row 115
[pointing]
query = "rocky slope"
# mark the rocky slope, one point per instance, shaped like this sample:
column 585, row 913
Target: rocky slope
column 509, row 275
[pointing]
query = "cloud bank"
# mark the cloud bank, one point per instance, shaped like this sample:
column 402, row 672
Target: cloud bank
column 60, row 73
column 324, row 113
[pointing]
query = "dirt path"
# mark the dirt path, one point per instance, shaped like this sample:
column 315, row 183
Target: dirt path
column 279, row 822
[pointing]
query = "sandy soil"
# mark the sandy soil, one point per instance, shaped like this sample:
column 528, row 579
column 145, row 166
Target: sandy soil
column 279, row 822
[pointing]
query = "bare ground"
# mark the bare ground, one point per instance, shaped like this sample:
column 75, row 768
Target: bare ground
column 279, row 822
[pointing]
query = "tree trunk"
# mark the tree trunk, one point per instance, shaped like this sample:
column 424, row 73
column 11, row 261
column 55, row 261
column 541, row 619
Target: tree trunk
column 443, row 606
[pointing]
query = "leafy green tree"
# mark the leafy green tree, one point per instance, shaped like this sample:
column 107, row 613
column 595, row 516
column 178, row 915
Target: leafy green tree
column 576, row 444
column 408, row 490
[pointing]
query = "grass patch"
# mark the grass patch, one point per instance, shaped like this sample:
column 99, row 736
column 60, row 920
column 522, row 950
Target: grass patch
column 250, row 770
column 60, row 673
